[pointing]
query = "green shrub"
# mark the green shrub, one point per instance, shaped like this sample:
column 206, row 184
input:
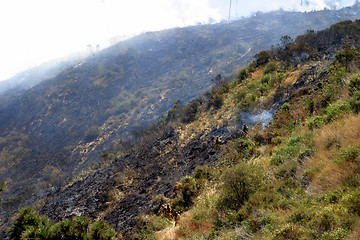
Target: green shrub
column 217, row 101
column 354, row 84
column 72, row 229
column 270, row 67
column 286, row 152
column 244, row 148
column 279, row 77
column 188, row 190
column 301, row 215
column 335, row 110
column 29, row 225
column 352, row 202
column 190, row 111
column 239, row 183
column 315, row 122
column 24, row 219
column 287, row 170
column 262, row 58
column 289, row 231
column 101, row 231
column 277, row 140
column 240, row 94
column 339, row 233
column 351, row 181
column 243, row 74
column 348, row 154
column 265, row 79
column 202, row 172
column 354, row 101
column 324, row 221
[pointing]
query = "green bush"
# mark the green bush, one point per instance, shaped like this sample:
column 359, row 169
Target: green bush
column 324, row 221
column 24, row 219
column 190, row 111
column 286, row 152
column 266, row 78
column 287, row 170
column 216, row 101
column 29, row 225
column 101, row 231
column 354, row 84
column 243, row 74
column 315, row 122
column 348, row 154
column 244, row 148
column 239, row 183
column 335, row 110
column 262, row 58
column 270, row 67
column 289, row 231
column 354, row 101
column 352, row 202
column 71, row 229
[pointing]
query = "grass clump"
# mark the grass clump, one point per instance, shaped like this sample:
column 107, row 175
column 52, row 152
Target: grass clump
column 29, row 225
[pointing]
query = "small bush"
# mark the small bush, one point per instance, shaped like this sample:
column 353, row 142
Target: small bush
column 101, row 231
column 29, row 225
column 324, row 221
column 239, row 183
column 244, row 148
column 270, row 67
column 354, row 101
column 217, row 101
column 289, row 231
column 23, row 220
column 190, row 111
column 262, row 58
column 287, row 170
column 336, row 109
column 354, row 84
column 266, row 78
column 243, row 74
column 286, row 152
column 352, row 202
column 348, row 154
column 315, row 122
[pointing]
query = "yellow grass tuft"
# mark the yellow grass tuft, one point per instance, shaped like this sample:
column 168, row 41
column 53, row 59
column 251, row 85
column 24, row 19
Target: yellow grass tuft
column 330, row 139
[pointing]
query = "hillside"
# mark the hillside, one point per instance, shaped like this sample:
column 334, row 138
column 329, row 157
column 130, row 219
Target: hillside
column 55, row 131
column 292, row 175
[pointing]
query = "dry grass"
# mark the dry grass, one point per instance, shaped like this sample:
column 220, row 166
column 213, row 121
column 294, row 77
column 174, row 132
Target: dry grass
column 292, row 78
column 198, row 221
column 330, row 139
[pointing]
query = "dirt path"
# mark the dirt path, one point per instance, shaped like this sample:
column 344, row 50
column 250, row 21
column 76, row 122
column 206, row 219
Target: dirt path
column 167, row 233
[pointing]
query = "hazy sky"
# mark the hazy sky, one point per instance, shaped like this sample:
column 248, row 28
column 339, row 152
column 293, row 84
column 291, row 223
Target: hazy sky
column 34, row 31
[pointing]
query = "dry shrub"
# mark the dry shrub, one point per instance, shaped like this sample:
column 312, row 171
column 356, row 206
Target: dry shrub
column 187, row 226
column 330, row 141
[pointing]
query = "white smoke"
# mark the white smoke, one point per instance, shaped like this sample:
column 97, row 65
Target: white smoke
column 241, row 8
column 309, row 5
column 262, row 118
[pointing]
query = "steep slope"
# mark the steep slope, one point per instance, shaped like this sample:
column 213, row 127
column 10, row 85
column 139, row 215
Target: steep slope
column 313, row 100
column 61, row 126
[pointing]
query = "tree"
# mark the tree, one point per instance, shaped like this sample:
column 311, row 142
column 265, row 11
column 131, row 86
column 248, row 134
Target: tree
column 285, row 40
column 262, row 58
column 346, row 56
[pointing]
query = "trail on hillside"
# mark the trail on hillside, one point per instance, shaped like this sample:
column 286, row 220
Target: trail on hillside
column 167, row 233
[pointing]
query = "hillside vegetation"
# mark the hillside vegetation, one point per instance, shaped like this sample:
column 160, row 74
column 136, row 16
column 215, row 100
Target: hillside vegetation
column 294, row 177
column 57, row 130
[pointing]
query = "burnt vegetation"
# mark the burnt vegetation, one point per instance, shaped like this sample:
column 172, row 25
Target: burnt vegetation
column 238, row 189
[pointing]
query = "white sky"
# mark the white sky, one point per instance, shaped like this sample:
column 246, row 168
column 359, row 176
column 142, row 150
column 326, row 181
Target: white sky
column 34, row 31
